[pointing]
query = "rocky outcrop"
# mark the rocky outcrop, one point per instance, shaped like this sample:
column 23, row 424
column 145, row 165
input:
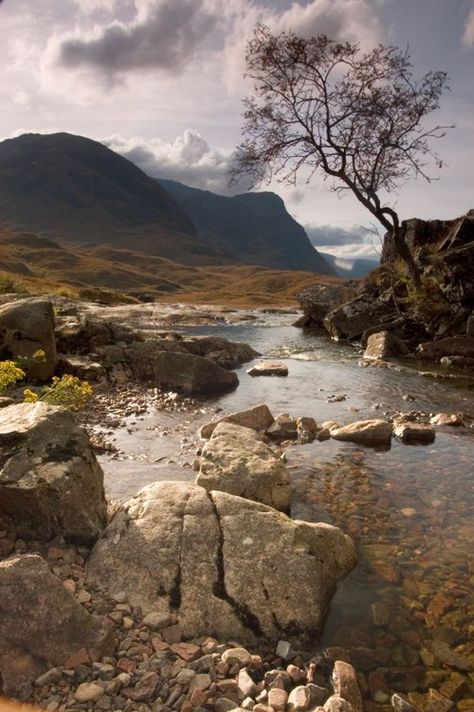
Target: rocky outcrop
column 41, row 624
column 377, row 432
column 27, row 327
column 319, row 299
column 236, row 461
column 452, row 346
column 228, row 354
column 258, row 418
column 219, row 564
column 350, row 320
column 50, row 481
column 383, row 344
column 412, row 433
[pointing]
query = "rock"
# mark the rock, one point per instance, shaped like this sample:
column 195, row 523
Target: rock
column 284, row 650
column 438, row 703
column 222, row 565
column 284, row 428
column 156, row 621
column 246, row 685
column 228, row 354
column 446, row 419
column 237, row 656
column 383, row 344
column 41, row 624
column 319, row 299
column 335, row 703
column 401, row 705
column 258, row 418
column 299, row 699
column 451, row 346
column 50, row 481
column 345, row 684
column 307, row 429
column 26, row 327
column 414, row 433
column 277, row 699
column 236, row 461
column 470, row 325
column 376, row 432
column 89, row 692
column 268, row 368
column 350, row 320
column 192, row 374
column 450, row 657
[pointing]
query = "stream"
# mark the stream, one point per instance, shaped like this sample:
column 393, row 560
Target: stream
column 405, row 613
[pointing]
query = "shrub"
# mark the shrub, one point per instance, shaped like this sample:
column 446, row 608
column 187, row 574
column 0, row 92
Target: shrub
column 9, row 375
column 68, row 391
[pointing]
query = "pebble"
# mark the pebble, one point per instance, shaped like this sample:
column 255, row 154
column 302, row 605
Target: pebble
column 89, row 692
column 237, row 656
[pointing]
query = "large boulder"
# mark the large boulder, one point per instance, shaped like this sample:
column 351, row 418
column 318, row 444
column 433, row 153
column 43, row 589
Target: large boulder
column 228, row 354
column 236, row 461
column 376, row 432
column 27, row 327
column 219, row 564
column 383, row 344
column 451, row 346
column 50, row 481
column 353, row 318
column 258, row 418
column 41, row 624
column 319, row 299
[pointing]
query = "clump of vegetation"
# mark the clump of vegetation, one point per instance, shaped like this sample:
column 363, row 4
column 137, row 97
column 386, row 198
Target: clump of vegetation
column 68, row 391
column 10, row 373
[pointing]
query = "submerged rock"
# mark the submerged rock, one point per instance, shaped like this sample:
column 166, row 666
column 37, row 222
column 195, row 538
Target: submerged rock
column 236, row 461
column 219, row 564
column 365, row 432
column 268, row 368
column 414, row 433
column 41, row 624
column 451, row 346
column 50, row 481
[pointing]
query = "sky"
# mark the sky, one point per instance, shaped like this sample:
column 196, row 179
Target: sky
column 161, row 82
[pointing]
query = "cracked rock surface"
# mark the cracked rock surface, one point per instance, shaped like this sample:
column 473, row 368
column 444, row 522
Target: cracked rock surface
column 237, row 461
column 219, row 564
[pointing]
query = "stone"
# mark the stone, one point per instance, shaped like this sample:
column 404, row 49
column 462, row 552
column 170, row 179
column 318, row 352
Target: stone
column 335, row 703
column 437, row 702
column 50, row 481
column 319, row 299
column 223, row 704
column 383, row 344
column 412, row 433
column 258, row 418
column 284, row 428
column 42, row 624
column 157, row 621
column 51, row 677
column 89, row 692
column 202, row 681
column 450, row 657
column 268, row 368
column 345, row 684
column 246, row 685
column 451, row 346
column 236, row 461
column 237, row 656
column 306, row 428
column 284, row 650
column 202, row 557
column 192, row 374
column 145, row 687
column 318, row 694
column 377, row 432
column 446, row 419
column 278, row 699
column 299, row 699
column 401, row 705
column 350, row 320
column 26, row 327
column 172, row 634
column 228, row 354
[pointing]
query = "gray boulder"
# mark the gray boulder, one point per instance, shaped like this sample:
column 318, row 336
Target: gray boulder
column 41, row 624
column 383, row 344
column 50, row 481
column 26, row 327
column 350, row 320
column 236, row 461
column 219, row 564
column 365, row 432
column 258, row 418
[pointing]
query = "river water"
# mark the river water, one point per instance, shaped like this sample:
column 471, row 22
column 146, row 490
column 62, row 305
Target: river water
column 405, row 615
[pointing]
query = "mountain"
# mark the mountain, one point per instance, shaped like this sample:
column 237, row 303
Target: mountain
column 350, row 268
column 252, row 228
column 74, row 190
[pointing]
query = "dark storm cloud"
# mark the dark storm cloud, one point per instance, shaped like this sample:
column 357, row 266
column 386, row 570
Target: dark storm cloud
column 329, row 235
column 165, row 38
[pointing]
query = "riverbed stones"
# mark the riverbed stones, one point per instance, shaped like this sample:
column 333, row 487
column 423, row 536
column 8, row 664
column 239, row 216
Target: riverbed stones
column 383, row 344
column 50, row 481
column 451, row 346
column 376, row 432
column 219, row 564
column 268, row 368
column 345, row 684
column 41, row 624
column 412, row 433
column 258, row 418
column 237, row 461
column 285, row 427
column 26, row 328
column 446, row 419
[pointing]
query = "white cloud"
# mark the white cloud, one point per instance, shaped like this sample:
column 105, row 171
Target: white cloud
column 468, row 36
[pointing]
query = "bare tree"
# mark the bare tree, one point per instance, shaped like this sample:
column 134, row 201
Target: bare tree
column 356, row 117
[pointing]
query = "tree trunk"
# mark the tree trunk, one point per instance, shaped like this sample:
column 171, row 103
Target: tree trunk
column 404, row 252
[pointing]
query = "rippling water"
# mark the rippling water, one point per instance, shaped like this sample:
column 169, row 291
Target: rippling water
column 405, row 614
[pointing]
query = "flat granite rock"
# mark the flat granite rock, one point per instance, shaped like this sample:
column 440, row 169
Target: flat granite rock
column 268, row 368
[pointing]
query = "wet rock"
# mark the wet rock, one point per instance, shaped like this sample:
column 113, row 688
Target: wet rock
column 236, row 461
column 446, row 419
column 383, row 344
column 268, row 368
column 306, row 429
column 345, row 684
column 203, row 557
column 284, row 428
column 258, row 418
column 41, row 624
column 401, row 705
column 228, row 354
column 376, row 432
column 450, row 657
column 414, row 433
column 319, row 299
column 350, row 320
column 192, row 374
column 451, row 346
column 438, row 703
column 50, row 481
column 26, row 327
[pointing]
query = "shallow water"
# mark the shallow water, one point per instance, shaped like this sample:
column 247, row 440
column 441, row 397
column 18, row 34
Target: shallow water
column 410, row 600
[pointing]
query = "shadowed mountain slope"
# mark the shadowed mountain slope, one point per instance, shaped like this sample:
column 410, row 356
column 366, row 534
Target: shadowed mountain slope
column 252, row 228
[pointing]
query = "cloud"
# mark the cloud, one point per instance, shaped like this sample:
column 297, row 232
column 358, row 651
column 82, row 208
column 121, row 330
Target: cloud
column 189, row 159
column 356, row 241
column 163, row 35
column 468, row 36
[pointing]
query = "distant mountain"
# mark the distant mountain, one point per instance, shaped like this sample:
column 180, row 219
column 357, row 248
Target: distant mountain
column 75, row 190
column 252, row 228
column 349, row 268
